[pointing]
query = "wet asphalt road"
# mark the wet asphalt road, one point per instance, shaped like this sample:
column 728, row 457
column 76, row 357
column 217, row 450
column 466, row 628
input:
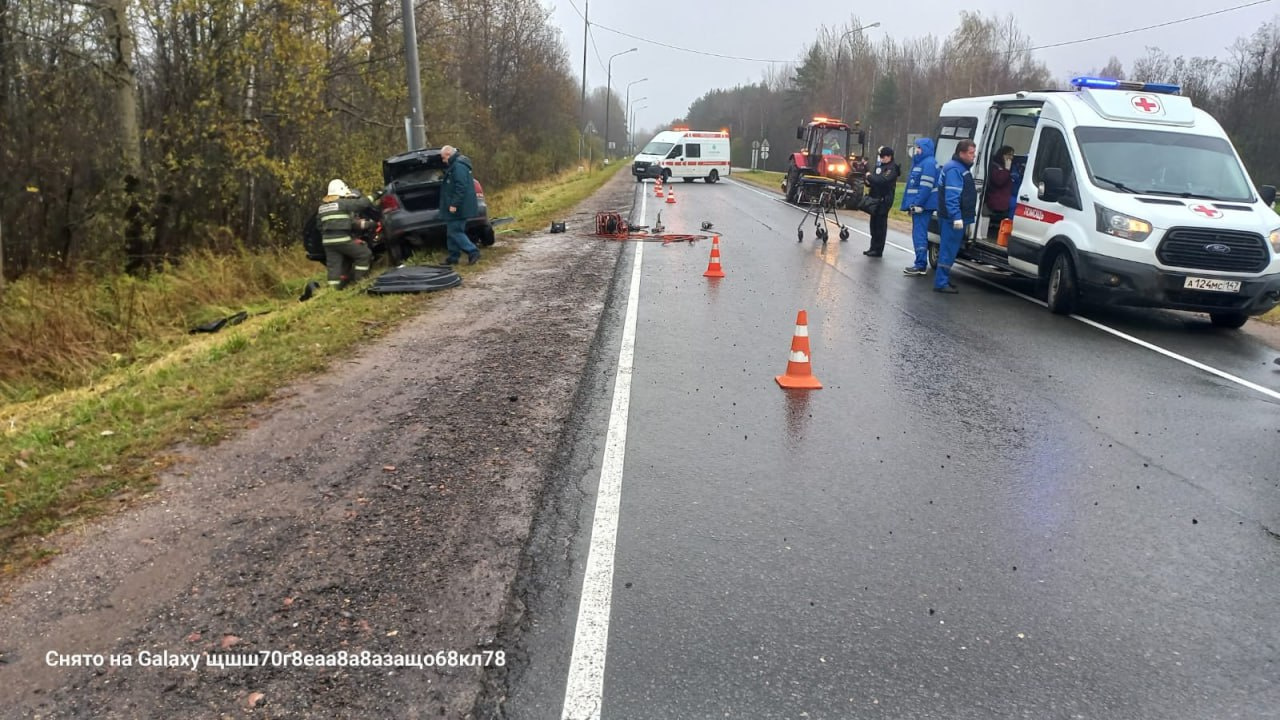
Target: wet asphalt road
column 988, row 511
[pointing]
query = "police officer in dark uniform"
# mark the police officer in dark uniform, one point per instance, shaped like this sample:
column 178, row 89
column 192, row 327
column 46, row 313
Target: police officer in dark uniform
column 882, row 187
column 342, row 216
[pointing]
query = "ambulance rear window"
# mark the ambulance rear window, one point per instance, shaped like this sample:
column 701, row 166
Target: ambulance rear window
column 951, row 130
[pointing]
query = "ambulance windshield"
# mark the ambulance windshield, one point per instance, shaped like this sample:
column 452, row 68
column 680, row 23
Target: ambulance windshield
column 657, row 148
column 1152, row 162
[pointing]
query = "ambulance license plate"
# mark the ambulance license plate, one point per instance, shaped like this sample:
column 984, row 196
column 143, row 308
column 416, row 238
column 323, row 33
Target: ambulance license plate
column 1211, row 284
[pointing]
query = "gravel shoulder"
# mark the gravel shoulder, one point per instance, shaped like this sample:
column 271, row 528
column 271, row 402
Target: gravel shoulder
column 381, row 507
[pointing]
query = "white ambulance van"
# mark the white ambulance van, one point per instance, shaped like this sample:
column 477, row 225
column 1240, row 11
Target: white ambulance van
column 1128, row 195
column 684, row 153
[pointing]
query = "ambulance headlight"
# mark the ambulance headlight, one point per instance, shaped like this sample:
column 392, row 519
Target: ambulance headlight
column 1121, row 225
column 1275, row 240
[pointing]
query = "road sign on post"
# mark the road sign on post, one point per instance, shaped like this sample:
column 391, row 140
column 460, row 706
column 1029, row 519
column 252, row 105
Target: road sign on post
column 764, row 151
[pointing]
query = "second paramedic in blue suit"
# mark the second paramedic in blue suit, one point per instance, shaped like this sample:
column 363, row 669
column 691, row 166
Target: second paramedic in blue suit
column 957, row 208
column 920, row 199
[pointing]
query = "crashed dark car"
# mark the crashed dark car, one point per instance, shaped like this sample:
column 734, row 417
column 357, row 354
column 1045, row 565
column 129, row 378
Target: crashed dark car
column 410, row 202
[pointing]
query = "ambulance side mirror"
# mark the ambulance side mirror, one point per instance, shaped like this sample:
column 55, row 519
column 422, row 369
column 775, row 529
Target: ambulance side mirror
column 1051, row 184
column 1268, row 194
column 800, row 133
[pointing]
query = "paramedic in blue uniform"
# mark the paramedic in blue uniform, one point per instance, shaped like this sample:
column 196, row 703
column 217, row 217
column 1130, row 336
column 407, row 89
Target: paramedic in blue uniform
column 956, row 208
column 920, row 198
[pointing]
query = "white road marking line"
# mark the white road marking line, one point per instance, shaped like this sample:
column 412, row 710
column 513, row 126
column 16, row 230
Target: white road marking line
column 585, row 688
column 1091, row 323
column 1135, row 340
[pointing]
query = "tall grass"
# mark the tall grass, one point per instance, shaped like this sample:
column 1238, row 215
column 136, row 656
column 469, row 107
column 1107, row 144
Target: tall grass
column 60, row 332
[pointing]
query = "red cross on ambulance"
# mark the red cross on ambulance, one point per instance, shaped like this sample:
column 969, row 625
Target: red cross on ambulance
column 1207, row 211
column 1145, row 103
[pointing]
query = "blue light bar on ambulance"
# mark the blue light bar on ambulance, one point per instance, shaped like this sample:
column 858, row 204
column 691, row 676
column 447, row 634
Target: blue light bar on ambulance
column 1099, row 83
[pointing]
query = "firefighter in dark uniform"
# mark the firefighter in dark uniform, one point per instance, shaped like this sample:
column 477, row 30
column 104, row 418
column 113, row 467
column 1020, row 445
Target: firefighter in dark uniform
column 342, row 216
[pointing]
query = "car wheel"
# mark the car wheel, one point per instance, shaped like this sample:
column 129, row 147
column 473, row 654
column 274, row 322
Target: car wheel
column 639, row 179
column 713, row 177
column 1233, row 320
column 1062, row 293
column 666, row 177
column 932, row 254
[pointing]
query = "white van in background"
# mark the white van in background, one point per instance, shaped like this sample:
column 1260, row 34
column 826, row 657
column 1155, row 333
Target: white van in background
column 1129, row 195
column 684, row 153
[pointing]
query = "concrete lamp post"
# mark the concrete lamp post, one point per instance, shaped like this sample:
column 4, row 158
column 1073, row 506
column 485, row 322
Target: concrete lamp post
column 840, row 66
column 608, row 95
column 626, row 107
column 631, row 125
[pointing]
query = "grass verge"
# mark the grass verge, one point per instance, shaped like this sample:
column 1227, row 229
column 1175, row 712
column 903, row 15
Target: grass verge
column 113, row 381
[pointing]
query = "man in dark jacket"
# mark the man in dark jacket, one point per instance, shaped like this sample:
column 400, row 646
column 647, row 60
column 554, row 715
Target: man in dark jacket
column 458, row 203
column 957, row 208
column 882, row 186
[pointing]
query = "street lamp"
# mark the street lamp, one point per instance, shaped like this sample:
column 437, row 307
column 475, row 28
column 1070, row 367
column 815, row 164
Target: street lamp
column 608, row 95
column 626, row 107
column 840, row 67
column 635, row 115
column 631, row 119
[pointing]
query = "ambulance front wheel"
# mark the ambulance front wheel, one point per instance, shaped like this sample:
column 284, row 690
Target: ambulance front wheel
column 932, row 254
column 666, row 177
column 1062, row 291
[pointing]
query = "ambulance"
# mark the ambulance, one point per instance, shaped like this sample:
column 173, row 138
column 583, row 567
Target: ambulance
column 1128, row 195
column 684, row 153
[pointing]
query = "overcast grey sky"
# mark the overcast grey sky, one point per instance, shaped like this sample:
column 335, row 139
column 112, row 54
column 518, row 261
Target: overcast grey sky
column 765, row 29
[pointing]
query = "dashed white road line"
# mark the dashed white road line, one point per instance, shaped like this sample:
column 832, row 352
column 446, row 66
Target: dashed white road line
column 585, row 688
column 1091, row 323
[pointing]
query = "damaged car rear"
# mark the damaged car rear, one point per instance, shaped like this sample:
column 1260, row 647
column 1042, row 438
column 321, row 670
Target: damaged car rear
column 410, row 202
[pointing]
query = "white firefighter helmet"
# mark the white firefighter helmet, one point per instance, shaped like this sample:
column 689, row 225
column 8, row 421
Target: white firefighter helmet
column 339, row 188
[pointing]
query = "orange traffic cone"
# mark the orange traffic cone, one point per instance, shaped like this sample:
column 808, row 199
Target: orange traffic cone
column 657, row 187
column 799, row 375
column 671, row 194
column 713, row 266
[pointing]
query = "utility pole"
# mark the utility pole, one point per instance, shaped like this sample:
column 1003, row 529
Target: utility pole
column 582, row 109
column 418, row 126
